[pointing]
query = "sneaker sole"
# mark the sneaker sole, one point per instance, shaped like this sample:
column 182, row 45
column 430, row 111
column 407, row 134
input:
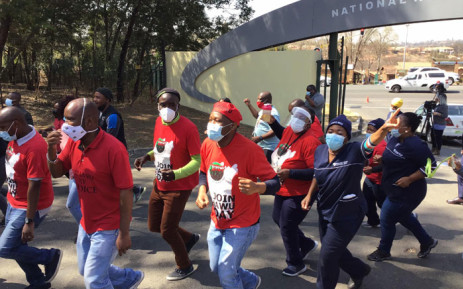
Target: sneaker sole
column 311, row 250
column 183, row 277
column 134, row 286
column 429, row 250
column 295, row 274
column 259, row 281
column 57, row 268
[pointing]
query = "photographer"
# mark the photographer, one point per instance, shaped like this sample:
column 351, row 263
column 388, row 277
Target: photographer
column 439, row 114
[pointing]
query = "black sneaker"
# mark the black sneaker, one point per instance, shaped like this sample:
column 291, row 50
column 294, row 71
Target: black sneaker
column 425, row 250
column 292, row 271
column 138, row 192
column 138, row 281
column 357, row 283
column 51, row 269
column 194, row 239
column 379, row 256
column 180, row 274
column 43, row 286
column 370, row 226
column 259, row 281
column 305, row 252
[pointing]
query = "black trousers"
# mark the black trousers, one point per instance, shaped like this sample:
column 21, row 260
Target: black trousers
column 436, row 137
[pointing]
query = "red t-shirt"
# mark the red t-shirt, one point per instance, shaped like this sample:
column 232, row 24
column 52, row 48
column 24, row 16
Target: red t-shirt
column 378, row 150
column 173, row 147
column 24, row 162
column 240, row 158
column 58, row 123
column 299, row 155
column 316, row 129
column 101, row 171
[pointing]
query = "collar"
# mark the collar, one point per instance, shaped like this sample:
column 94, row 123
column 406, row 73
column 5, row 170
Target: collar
column 173, row 121
column 94, row 143
column 27, row 137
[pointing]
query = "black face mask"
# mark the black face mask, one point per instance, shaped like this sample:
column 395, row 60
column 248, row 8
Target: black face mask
column 55, row 113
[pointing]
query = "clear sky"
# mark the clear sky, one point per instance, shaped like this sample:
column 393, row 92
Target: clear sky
column 440, row 30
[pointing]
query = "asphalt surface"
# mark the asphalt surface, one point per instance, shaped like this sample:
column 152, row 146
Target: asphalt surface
column 266, row 257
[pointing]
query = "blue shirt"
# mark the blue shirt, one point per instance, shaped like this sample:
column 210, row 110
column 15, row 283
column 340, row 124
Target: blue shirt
column 401, row 160
column 340, row 196
column 262, row 128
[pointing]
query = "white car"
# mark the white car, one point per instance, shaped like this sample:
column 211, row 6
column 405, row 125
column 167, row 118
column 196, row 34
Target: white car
column 452, row 77
column 454, row 128
column 323, row 82
column 421, row 81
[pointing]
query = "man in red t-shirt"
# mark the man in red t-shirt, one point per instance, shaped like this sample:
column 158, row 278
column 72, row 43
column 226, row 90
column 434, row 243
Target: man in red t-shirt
column 230, row 167
column 176, row 157
column 30, row 196
column 102, row 173
column 372, row 183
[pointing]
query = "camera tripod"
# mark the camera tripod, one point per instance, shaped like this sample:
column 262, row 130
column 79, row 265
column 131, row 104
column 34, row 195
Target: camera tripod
column 428, row 122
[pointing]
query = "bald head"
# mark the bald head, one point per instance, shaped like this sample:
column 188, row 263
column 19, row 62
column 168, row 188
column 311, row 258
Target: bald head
column 265, row 97
column 75, row 108
column 15, row 98
column 11, row 113
column 295, row 103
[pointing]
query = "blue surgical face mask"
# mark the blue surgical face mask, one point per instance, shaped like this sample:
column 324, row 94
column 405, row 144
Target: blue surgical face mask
column 367, row 135
column 6, row 136
column 8, row 102
column 395, row 133
column 214, row 131
column 334, row 141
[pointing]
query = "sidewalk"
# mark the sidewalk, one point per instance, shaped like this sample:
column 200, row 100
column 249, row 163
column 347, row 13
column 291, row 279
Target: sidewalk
column 441, row 269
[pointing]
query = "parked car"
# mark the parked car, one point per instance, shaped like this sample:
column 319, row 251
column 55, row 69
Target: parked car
column 452, row 77
column 324, row 82
column 420, row 81
column 454, row 128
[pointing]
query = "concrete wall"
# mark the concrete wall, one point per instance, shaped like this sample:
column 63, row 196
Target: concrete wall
column 284, row 73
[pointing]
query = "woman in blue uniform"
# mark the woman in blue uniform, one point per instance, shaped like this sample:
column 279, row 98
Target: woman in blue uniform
column 338, row 168
column 404, row 162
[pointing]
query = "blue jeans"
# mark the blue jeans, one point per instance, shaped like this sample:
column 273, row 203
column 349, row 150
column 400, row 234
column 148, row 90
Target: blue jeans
column 95, row 253
column 393, row 212
column 73, row 203
column 11, row 246
column 226, row 250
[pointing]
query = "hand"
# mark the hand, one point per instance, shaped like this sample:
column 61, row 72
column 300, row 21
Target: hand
column 367, row 170
column 202, row 201
column 256, row 139
column 54, row 138
column 403, row 182
column 393, row 122
column 247, row 101
column 461, row 152
column 247, row 186
column 378, row 159
column 457, row 165
column 123, row 243
column 27, row 233
column 139, row 162
column 168, row 175
column 305, row 203
column 283, row 175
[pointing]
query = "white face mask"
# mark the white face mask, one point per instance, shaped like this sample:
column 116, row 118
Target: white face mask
column 76, row 132
column 167, row 114
column 297, row 124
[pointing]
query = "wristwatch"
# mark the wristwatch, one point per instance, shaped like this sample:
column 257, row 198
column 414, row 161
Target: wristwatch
column 28, row 221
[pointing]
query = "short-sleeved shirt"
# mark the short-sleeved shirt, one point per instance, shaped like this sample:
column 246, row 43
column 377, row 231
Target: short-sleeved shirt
column 299, row 155
column 401, row 160
column 263, row 127
column 378, row 150
column 340, row 195
column 319, row 101
column 240, row 158
column 174, row 144
column 26, row 160
column 101, row 171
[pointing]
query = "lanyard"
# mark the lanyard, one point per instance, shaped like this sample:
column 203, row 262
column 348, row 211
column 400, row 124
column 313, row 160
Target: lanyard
column 286, row 146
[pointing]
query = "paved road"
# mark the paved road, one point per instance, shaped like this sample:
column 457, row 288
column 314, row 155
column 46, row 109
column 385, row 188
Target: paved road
column 442, row 269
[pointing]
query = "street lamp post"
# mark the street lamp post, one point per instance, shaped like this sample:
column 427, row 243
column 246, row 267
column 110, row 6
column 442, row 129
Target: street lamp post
column 405, row 47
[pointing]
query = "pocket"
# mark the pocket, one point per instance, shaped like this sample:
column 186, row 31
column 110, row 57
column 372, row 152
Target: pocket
column 349, row 208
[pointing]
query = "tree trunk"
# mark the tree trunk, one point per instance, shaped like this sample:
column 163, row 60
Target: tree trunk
column 27, row 71
column 5, row 23
column 136, row 86
column 123, row 55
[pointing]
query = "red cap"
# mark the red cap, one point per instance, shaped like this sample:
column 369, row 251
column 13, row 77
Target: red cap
column 228, row 110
